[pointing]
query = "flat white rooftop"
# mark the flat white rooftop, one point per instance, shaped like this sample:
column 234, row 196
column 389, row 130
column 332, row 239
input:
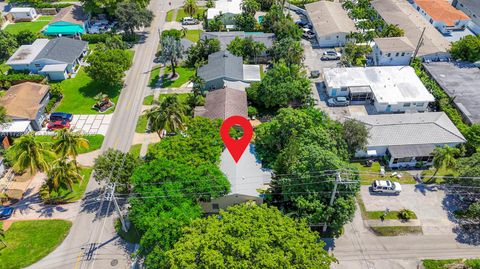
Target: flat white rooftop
column 21, row 9
column 224, row 7
column 27, row 53
column 389, row 84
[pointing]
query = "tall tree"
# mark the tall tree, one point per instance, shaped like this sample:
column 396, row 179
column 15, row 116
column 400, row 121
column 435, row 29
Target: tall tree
column 250, row 7
column 100, row 6
column 171, row 51
column 198, row 54
column 108, row 66
column 26, row 37
column 288, row 49
column 168, row 116
column 3, row 115
column 115, row 166
column 272, row 240
column 131, row 16
column 246, row 22
column 8, row 44
column 190, row 7
column 355, row 134
column 29, row 153
column 68, row 143
column 283, row 26
column 63, row 174
column 467, row 48
column 444, row 157
column 392, row 30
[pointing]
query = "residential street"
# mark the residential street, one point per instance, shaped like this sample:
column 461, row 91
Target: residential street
column 92, row 241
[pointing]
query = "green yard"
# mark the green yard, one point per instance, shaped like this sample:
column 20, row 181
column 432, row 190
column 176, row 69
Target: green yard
column 4, row 68
column 79, row 187
column 141, row 124
column 181, row 14
column 427, row 175
column 184, row 73
column 148, row 100
column 29, row 241
column 376, row 215
column 35, row 26
column 397, row 230
column 452, row 263
column 170, row 15
column 135, row 149
column 193, row 35
column 154, row 76
column 369, row 174
column 95, row 141
column 79, row 93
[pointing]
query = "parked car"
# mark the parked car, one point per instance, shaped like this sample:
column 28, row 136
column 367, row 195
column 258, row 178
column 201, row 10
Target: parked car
column 57, row 125
column 6, row 212
column 56, row 116
column 386, row 186
column 331, row 55
column 189, row 21
column 308, row 34
column 338, row 101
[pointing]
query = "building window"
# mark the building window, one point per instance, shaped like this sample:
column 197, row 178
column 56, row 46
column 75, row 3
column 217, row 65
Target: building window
column 388, row 54
column 215, row 206
column 343, row 89
column 431, row 21
column 406, row 105
column 396, row 54
column 403, row 54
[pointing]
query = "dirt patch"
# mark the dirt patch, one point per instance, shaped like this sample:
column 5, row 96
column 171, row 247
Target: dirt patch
column 6, row 224
column 23, row 177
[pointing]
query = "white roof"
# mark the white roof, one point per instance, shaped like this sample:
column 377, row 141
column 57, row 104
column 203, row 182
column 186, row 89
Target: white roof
column 251, row 72
column 54, row 68
column 21, row 9
column 390, row 84
column 224, row 6
column 27, row 53
column 16, row 126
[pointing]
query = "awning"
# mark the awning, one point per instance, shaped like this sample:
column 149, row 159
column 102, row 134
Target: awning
column 360, row 89
column 54, row 68
column 63, row 30
column 411, row 150
column 371, row 152
column 14, row 127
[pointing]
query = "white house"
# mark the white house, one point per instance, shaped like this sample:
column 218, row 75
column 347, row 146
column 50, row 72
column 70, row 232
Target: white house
column 330, row 23
column 392, row 51
column 407, row 139
column 392, row 89
column 23, row 14
column 442, row 15
column 472, row 9
column 228, row 9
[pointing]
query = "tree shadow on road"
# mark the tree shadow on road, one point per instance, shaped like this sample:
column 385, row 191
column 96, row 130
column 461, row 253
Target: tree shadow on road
column 466, row 233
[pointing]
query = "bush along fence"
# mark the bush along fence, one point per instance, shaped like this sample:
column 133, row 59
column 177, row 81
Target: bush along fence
column 16, row 78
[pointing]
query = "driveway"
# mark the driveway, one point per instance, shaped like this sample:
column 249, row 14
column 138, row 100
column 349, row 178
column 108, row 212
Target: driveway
column 87, row 124
column 432, row 207
column 312, row 57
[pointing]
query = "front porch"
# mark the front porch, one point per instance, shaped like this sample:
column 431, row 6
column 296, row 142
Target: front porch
column 409, row 156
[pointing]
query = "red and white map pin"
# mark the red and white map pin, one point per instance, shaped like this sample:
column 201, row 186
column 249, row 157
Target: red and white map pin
column 236, row 147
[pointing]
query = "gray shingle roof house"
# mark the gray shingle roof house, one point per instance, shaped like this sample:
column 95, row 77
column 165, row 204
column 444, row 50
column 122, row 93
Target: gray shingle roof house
column 406, row 139
column 223, row 103
column 225, row 67
column 57, row 58
column 226, row 37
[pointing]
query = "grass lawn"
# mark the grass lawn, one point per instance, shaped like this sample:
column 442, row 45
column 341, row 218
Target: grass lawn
column 95, row 141
column 375, row 215
column 369, row 174
column 29, row 241
column 193, row 35
column 79, row 93
column 35, row 26
column 170, row 15
column 397, row 230
column 148, row 100
column 452, row 263
column 182, row 97
column 135, row 149
column 4, row 68
column 154, row 75
column 141, row 124
column 181, row 14
column 79, row 188
column 184, row 72
column 427, row 175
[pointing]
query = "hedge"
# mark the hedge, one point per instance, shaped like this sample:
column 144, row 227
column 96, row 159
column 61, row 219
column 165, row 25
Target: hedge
column 17, row 78
column 95, row 38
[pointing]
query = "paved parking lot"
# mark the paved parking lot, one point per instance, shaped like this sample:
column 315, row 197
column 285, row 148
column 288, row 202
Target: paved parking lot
column 87, row 124
column 432, row 206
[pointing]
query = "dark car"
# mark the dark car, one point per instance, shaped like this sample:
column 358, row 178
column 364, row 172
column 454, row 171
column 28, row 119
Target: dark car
column 58, row 125
column 56, row 116
column 338, row 101
column 6, row 212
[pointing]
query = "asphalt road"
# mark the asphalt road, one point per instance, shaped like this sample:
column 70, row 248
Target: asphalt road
column 92, row 241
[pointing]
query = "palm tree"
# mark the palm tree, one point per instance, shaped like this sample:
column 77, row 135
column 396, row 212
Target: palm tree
column 29, row 153
column 190, row 7
column 257, row 49
column 172, row 51
column 168, row 116
column 63, row 174
column 444, row 157
column 392, row 30
column 68, row 143
column 2, row 236
column 3, row 115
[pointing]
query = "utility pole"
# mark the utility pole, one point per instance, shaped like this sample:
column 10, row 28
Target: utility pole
column 338, row 179
column 419, row 44
column 110, row 196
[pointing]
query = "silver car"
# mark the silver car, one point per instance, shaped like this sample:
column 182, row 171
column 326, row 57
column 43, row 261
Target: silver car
column 338, row 101
column 386, row 186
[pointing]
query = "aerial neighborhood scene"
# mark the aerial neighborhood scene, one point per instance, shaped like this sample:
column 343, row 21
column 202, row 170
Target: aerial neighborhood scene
column 319, row 134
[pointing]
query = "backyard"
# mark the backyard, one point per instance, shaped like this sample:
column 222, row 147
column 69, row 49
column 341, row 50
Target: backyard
column 95, row 141
column 35, row 26
column 369, row 174
column 29, row 241
column 184, row 74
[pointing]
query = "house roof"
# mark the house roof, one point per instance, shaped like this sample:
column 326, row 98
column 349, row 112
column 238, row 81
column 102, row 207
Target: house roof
column 224, row 7
column 27, row 53
column 473, row 5
column 222, row 64
column 226, row 37
column 394, row 44
column 223, row 103
column 411, row 150
column 441, row 10
column 22, row 101
column 329, row 18
column 410, row 129
column 72, row 14
column 461, row 81
column 390, row 84
column 62, row 49
column 21, row 9
column 401, row 13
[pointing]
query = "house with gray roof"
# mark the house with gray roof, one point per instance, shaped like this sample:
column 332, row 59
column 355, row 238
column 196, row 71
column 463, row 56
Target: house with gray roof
column 392, row 51
column 405, row 140
column 58, row 58
column 225, row 69
column 223, row 103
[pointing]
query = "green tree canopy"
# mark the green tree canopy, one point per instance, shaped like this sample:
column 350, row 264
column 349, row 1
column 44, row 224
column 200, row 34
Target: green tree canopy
column 68, row 143
column 288, row 50
column 246, row 48
column 467, row 48
column 444, row 157
column 63, row 174
column 108, row 66
column 283, row 26
column 356, row 135
column 168, row 116
column 132, row 15
column 99, row 6
column 249, row 236
column 26, row 37
column 171, row 52
column 190, row 7
column 246, row 22
column 8, row 44
column 198, row 54
column 29, row 153
column 282, row 86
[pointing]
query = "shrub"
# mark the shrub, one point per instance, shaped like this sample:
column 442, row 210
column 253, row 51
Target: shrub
column 406, row 214
column 17, row 78
column 473, row 264
column 95, row 38
column 252, row 111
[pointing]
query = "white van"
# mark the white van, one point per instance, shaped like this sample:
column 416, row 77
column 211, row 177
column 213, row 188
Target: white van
column 386, row 186
column 189, row 21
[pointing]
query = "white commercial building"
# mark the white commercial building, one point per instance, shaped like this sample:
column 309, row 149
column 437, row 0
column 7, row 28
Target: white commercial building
column 330, row 23
column 228, row 9
column 23, row 14
column 392, row 89
column 392, row 51
column 442, row 15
